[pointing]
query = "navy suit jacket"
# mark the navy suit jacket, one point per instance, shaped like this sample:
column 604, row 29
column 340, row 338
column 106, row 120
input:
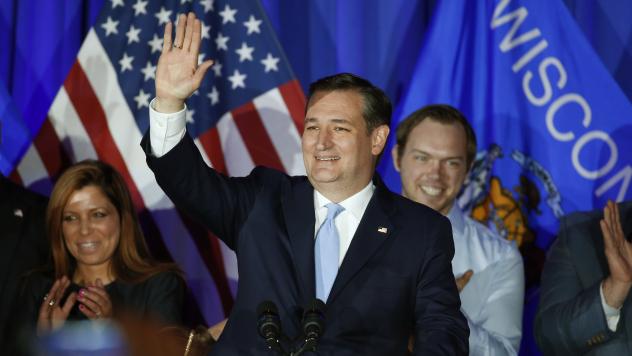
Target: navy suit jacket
column 23, row 247
column 395, row 280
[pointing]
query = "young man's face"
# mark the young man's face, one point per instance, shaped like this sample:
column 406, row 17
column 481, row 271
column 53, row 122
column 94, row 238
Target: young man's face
column 433, row 164
column 338, row 152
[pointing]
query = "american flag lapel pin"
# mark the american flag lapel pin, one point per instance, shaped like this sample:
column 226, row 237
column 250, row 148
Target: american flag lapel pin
column 382, row 229
column 18, row 213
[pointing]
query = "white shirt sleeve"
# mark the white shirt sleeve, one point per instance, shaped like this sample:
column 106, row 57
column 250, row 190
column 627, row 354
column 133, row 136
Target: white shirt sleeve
column 498, row 326
column 165, row 130
column 612, row 314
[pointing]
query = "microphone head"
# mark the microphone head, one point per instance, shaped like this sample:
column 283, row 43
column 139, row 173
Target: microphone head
column 268, row 321
column 267, row 307
column 317, row 306
column 314, row 319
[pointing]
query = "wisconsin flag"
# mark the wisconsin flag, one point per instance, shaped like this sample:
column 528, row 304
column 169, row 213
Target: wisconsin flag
column 554, row 128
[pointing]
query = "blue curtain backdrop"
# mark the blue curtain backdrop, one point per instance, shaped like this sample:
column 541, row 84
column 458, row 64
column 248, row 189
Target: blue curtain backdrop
column 380, row 40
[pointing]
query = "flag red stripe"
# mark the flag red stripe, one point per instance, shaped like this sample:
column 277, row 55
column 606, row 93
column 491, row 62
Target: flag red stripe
column 15, row 177
column 51, row 150
column 294, row 98
column 95, row 123
column 255, row 137
column 213, row 148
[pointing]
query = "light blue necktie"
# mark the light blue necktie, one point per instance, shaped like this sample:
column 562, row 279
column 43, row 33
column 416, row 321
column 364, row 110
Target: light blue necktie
column 327, row 252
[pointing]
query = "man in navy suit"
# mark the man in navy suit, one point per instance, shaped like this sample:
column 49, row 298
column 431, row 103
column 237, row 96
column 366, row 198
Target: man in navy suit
column 392, row 277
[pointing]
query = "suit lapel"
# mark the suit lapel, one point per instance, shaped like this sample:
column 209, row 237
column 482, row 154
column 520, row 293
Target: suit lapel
column 298, row 211
column 375, row 228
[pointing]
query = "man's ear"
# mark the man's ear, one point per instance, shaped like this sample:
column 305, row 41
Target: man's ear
column 395, row 155
column 378, row 139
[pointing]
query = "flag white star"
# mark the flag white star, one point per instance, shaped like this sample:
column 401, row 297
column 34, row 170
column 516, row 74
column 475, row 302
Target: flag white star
column 126, row 62
column 116, row 3
column 270, row 63
column 221, row 41
column 163, row 15
column 228, row 15
column 253, row 25
column 206, row 31
column 149, row 71
column 140, row 7
column 245, row 52
column 217, row 68
column 189, row 116
column 110, row 27
column 185, row 1
column 155, row 44
column 237, row 80
column 214, row 96
column 208, row 5
column 142, row 99
column 132, row 34
column 201, row 58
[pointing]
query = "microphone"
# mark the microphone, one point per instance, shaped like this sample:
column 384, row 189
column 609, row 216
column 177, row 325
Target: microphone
column 269, row 325
column 313, row 325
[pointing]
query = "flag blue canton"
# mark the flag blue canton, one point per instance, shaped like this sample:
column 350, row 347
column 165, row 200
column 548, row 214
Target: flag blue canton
column 235, row 34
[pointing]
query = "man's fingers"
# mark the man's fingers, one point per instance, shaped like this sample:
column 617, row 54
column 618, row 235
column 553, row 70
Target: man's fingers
column 462, row 281
column 616, row 218
column 188, row 34
column 608, row 239
column 180, row 28
column 196, row 38
column 201, row 71
column 167, row 42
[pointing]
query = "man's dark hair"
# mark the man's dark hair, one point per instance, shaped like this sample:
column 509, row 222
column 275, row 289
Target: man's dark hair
column 377, row 108
column 443, row 114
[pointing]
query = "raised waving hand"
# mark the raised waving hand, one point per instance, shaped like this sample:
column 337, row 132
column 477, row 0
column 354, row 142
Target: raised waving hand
column 178, row 74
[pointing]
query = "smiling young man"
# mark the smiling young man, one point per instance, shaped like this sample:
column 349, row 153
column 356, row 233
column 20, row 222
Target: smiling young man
column 380, row 262
column 434, row 153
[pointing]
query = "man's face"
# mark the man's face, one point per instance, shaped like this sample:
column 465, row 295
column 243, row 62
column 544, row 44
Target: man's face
column 433, row 164
column 338, row 153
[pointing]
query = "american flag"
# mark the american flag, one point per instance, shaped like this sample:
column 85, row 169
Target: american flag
column 248, row 111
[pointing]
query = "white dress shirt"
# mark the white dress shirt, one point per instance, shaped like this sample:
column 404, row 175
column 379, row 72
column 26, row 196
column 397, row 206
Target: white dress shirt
column 612, row 314
column 165, row 130
column 493, row 300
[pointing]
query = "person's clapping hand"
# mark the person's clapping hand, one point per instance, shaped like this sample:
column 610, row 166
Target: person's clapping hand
column 52, row 314
column 95, row 302
column 618, row 253
column 178, row 74
column 462, row 281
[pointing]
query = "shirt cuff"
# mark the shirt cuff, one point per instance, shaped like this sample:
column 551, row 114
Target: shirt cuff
column 165, row 130
column 612, row 314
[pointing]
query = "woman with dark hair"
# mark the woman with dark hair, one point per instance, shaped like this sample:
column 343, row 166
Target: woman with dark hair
column 101, row 265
